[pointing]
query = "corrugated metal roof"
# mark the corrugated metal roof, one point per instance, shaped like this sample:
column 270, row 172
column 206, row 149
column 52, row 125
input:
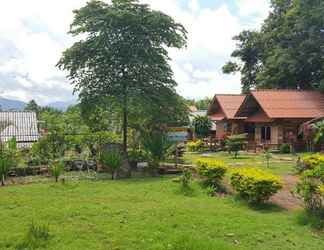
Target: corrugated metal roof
column 290, row 103
column 22, row 125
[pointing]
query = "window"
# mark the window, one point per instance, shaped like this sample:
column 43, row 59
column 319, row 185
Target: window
column 265, row 133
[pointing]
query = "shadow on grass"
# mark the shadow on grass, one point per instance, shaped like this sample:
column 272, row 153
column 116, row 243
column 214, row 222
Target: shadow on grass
column 266, row 207
column 314, row 220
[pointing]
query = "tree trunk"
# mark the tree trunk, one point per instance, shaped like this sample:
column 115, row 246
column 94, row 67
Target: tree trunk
column 2, row 180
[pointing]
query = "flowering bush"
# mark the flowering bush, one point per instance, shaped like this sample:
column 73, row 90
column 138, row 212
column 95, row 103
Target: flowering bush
column 255, row 185
column 195, row 146
column 212, row 171
column 313, row 160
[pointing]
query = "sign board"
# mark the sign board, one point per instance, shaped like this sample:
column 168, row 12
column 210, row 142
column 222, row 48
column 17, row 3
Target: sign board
column 178, row 134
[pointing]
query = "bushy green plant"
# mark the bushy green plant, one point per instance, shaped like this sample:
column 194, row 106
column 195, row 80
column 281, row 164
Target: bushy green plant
column 212, row 171
column 267, row 156
column 284, row 148
column 195, row 146
column 156, row 144
column 202, row 126
column 56, row 169
column 186, row 178
column 234, row 143
column 112, row 160
column 36, row 238
column 8, row 158
column 311, row 189
column 255, row 185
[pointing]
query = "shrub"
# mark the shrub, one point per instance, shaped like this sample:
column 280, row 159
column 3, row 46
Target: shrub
column 313, row 160
column 284, row 148
column 112, row 160
column 156, row 144
column 255, row 185
column 235, row 143
column 202, row 126
column 212, row 171
column 7, row 161
column 195, row 146
column 56, row 168
column 36, row 237
column 311, row 189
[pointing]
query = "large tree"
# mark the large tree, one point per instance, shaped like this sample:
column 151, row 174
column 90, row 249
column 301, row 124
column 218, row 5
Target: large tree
column 288, row 50
column 123, row 55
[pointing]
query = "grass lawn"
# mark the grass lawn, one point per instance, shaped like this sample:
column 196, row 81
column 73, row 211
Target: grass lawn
column 281, row 164
column 147, row 213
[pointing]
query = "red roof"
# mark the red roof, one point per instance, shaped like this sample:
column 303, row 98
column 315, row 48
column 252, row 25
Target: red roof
column 259, row 116
column 290, row 103
column 229, row 105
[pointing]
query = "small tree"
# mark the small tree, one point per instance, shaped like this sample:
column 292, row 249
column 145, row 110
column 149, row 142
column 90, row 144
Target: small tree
column 112, row 160
column 202, row 126
column 156, row 144
column 267, row 156
column 235, row 143
column 8, row 158
column 56, row 169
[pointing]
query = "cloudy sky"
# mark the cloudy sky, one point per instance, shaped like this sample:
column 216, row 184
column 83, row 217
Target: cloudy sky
column 33, row 34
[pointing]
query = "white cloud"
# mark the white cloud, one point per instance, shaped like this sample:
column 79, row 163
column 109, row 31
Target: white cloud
column 33, row 36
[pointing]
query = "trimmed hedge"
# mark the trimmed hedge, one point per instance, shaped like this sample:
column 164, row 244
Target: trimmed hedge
column 255, row 185
column 212, row 171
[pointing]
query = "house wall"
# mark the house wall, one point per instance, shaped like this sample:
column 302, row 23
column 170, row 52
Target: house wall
column 282, row 131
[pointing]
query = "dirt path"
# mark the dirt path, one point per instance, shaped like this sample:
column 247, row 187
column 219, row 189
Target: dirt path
column 284, row 198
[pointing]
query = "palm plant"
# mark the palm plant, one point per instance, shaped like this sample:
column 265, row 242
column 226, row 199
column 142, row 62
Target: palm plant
column 56, row 169
column 156, row 144
column 112, row 160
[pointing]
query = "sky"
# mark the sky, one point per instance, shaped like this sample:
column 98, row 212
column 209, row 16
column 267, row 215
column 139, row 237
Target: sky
column 33, row 35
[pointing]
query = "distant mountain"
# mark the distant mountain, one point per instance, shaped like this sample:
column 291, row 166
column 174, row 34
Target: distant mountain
column 15, row 105
column 7, row 104
column 61, row 105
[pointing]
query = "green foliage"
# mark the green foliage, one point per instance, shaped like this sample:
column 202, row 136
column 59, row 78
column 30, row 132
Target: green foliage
column 285, row 53
column 284, row 148
column 156, row 144
column 56, row 169
column 234, row 143
column 186, row 178
column 255, row 185
column 195, row 146
column 212, row 171
column 8, row 158
column 267, row 156
column 112, row 160
column 202, row 126
column 33, row 107
column 136, row 155
column 311, row 189
column 313, row 160
column 201, row 104
column 36, row 238
column 319, row 135
column 114, row 61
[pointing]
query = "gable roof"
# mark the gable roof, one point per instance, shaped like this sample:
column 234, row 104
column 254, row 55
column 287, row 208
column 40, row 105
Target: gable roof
column 228, row 104
column 22, row 125
column 287, row 103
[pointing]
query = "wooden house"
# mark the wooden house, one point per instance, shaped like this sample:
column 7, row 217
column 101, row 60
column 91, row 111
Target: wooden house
column 222, row 112
column 269, row 117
